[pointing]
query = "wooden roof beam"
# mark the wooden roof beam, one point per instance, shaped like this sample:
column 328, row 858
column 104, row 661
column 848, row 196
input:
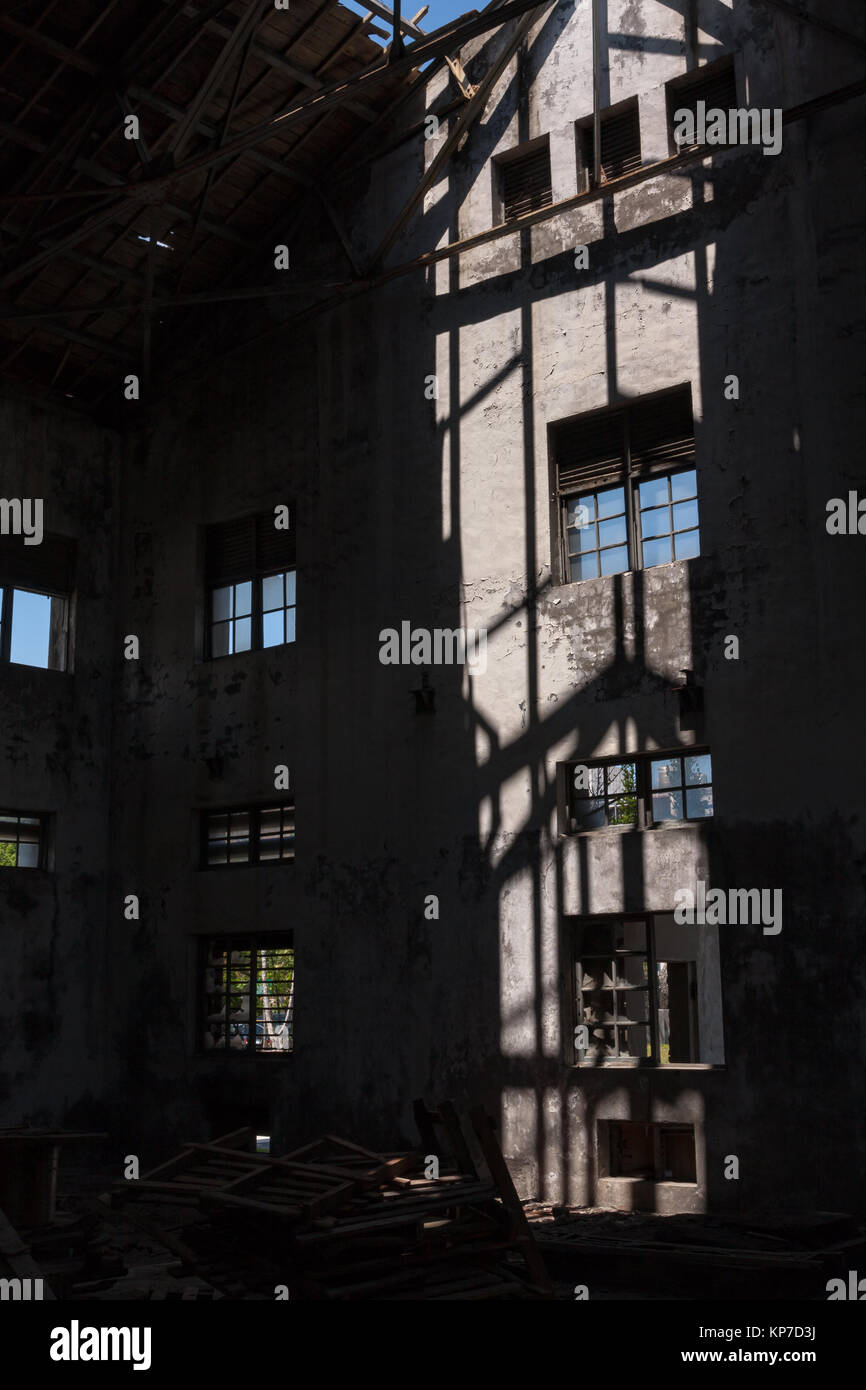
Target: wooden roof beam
column 276, row 60
column 470, row 113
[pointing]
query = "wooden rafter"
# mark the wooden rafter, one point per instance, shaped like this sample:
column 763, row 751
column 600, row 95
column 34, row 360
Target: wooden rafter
column 470, row 113
column 233, row 46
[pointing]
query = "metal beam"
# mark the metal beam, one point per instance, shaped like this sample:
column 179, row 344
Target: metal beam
column 471, row 111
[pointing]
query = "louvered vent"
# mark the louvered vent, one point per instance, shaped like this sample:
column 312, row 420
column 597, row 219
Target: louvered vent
column 662, row 432
column 274, row 549
column 237, row 550
column 49, row 566
column 620, row 144
column 526, row 182
column 715, row 85
column 590, row 449
column 231, row 550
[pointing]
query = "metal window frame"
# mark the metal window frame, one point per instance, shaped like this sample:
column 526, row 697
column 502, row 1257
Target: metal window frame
column 42, row 842
column 628, row 475
column 651, row 792
column 642, row 762
column 637, row 509
column 606, row 763
column 240, row 941
column 566, row 558
column 256, row 611
column 254, row 812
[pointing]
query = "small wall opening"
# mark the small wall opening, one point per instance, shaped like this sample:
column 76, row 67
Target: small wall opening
column 651, row 1152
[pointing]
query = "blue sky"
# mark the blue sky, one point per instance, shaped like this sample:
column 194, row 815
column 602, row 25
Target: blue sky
column 439, row 13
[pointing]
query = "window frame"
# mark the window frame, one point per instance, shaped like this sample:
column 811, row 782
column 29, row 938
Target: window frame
column 42, row 817
column 643, row 792
column 239, row 941
column 253, row 571
column 627, row 472
column 48, row 571
column 580, row 1056
column 255, row 812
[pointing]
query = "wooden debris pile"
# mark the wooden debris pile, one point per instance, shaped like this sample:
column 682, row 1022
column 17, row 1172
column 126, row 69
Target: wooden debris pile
column 333, row 1220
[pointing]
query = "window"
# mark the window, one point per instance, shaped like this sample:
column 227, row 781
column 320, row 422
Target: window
column 668, row 518
column 714, row 84
column 35, row 588
column 524, row 179
column 248, row 994
column 647, row 991
column 625, row 486
column 22, row 841
column 250, row 582
column 643, row 790
column 620, row 143
column 609, row 797
column 248, row 835
column 656, row 1152
column 681, row 787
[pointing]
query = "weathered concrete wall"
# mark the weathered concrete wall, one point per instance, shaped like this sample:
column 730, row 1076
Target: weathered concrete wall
column 54, row 751
column 438, row 511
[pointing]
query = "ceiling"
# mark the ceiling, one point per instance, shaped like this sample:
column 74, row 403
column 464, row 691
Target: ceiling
column 105, row 238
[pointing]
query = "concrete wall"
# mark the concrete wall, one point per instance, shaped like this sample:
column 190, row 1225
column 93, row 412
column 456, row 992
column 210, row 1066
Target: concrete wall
column 438, row 511
column 55, row 739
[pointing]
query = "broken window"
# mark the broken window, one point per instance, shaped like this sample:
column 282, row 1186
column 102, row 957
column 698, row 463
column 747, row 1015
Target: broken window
column 35, row 592
column 605, row 796
column 250, row 582
column 249, row 835
column 620, row 143
column 644, row 790
column 647, row 991
column 22, row 841
column 626, row 487
column 714, row 84
column 524, row 179
column 248, row 994
column 656, row 1152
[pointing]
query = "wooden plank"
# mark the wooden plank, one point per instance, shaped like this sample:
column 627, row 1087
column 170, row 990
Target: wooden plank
column 457, row 1139
column 510, row 1200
